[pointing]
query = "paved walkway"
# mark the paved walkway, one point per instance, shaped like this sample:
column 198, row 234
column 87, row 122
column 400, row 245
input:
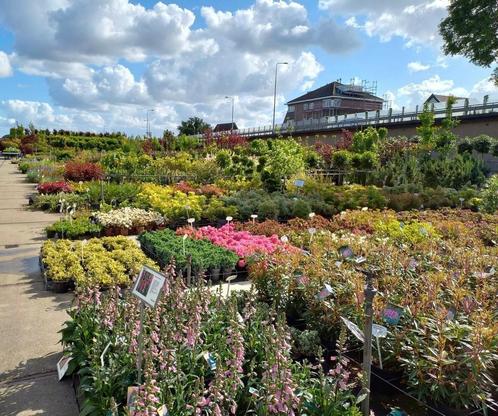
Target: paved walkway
column 30, row 317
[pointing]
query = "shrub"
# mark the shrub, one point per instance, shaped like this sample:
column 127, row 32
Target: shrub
column 107, row 261
column 52, row 202
column 341, row 159
column 72, row 229
column 489, row 195
column 166, row 247
column 465, row 146
column 54, row 187
column 82, row 171
column 482, row 143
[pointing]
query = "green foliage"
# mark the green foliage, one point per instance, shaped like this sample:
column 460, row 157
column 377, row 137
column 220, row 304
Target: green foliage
column 341, row 159
column 427, row 130
column 465, row 146
column 85, row 142
column 366, row 140
column 193, row 126
column 482, row 143
column 185, row 143
column 285, row 158
column 470, row 30
column 165, row 247
column 51, row 202
column 413, row 232
column 489, row 195
column 79, row 227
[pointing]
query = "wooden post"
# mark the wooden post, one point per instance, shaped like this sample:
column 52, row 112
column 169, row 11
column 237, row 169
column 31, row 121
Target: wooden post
column 370, row 292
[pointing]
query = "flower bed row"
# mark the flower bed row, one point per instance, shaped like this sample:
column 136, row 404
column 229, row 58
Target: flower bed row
column 166, row 247
column 202, row 355
column 436, row 270
column 129, row 218
column 243, row 243
column 98, row 262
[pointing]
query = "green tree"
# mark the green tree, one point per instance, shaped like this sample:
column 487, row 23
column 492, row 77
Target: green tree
column 194, row 125
column 427, row 129
column 471, row 30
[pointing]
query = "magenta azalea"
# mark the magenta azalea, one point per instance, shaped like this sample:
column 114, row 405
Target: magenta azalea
column 243, row 243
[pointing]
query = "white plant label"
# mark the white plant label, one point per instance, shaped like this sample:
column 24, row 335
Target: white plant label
column 357, row 332
column 62, row 366
column 379, row 331
column 148, row 286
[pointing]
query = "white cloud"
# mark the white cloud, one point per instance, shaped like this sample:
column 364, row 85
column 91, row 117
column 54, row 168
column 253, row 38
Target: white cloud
column 416, row 93
column 417, row 67
column 108, row 85
column 416, row 21
column 269, row 26
column 96, row 31
column 5, row 67
column 482, row 88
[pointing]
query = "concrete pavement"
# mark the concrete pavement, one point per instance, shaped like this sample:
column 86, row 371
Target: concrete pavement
column 30, row 317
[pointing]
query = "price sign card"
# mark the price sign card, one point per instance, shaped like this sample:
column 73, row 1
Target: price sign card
column 148, row 286
column 392, row 314
column 62, row 366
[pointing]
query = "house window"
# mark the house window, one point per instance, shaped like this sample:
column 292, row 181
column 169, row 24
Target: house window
column 292, row 108
column 327, row 103
column 311, row 106
column 305, row 106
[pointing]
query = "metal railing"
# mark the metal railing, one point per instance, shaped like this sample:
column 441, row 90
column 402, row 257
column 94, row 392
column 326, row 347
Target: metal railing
column 371, row 118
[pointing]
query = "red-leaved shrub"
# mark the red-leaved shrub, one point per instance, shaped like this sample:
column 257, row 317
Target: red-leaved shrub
column 54, row 187
column 82, row 171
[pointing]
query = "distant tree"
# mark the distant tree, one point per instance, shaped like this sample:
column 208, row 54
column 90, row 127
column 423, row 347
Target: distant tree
column 427, row 130
column 471, row 30
column 194, row 125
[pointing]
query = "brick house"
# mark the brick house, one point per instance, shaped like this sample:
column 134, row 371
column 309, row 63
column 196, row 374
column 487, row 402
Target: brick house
column 328, row 101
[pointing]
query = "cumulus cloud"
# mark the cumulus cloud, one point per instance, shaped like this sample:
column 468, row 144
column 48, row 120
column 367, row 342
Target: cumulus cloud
column 414, row 20
column 83, row 47
column 482, row 88
column 413, row 94
column 417, row 67
column 108, row 85
column 270, row 25
column 96, row 31
column 5, row 67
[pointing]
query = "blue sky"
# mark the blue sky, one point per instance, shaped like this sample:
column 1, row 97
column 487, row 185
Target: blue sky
column 99, row 64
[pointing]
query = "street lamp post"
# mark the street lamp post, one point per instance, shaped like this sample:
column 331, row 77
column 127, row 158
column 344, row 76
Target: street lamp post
column 148, row 124
column 275, row 93
column 233, row 105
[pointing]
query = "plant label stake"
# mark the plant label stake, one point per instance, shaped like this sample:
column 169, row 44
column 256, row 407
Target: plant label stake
column 253, row 217
column 63, row 365
column 229, row 219
column 311, row 215
column 370, row 292
column 357, row 332
column 379, row 331
column 191, row 222
column 184, row 238
column 229, row 280
column 312, row 232
column 147, row 288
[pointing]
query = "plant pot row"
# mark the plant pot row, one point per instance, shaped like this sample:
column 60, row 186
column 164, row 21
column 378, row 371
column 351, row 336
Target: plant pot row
column 55, row 286
column 115, row 231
